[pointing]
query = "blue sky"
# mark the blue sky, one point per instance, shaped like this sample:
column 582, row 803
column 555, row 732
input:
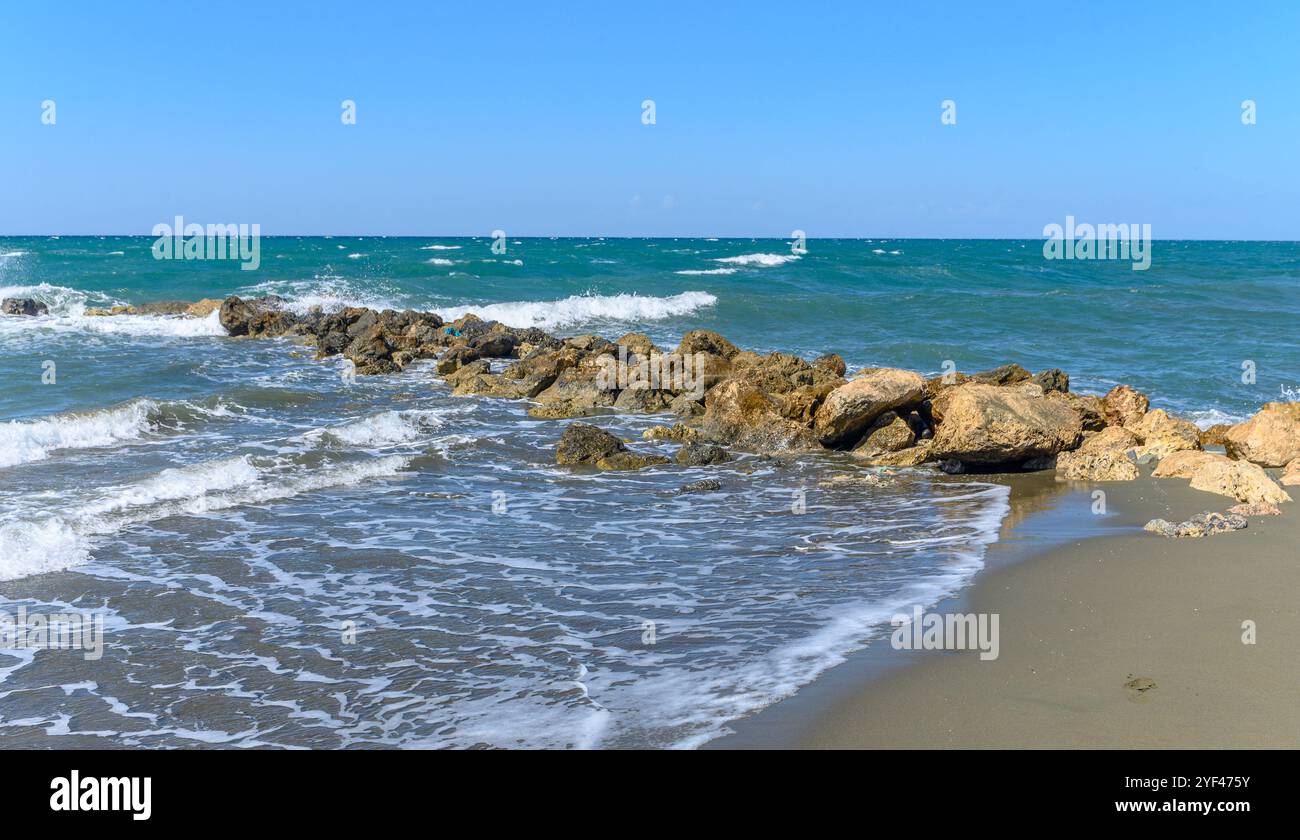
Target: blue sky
column 770, row 118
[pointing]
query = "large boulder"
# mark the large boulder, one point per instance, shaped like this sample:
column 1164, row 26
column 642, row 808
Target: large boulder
column 798, row 387
column 1271, row 438
column 706, row 341
column 23, row 306
column 1214, row 473
column 989, row 425
column 890, row 433
column 849, row 410
column 1291, row 475
column 738, row 414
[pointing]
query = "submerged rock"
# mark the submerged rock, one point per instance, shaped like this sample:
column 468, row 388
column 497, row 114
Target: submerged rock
column 702, row 454
column 706, row 485
column 585, row 444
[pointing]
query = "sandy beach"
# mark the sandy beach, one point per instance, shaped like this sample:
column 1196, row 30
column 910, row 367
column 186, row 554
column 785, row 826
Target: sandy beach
column 1121, row 639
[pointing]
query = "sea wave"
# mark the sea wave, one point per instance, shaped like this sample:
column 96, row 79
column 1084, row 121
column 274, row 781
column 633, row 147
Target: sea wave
column 765, row 260
column 700, row 271
column 67, row 313
column 47, row 542
column 22, row 442
column 578, row 309
column 440, row 248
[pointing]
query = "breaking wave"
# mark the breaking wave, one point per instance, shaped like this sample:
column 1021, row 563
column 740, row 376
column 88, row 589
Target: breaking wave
column 578, row 309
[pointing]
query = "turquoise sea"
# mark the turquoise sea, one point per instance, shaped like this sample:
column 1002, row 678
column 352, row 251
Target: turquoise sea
column 233, row 507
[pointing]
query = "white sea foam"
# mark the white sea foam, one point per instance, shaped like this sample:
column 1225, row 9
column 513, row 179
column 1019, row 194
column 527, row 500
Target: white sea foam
column 1213, row 416
column 699, row 271
column 68, row 314
column 33, row 440
column 327, row 292
column 440, row 248
column 765, row 260
column 47, row 542
column 386, row 428
column 579, row 309
column 440, row 261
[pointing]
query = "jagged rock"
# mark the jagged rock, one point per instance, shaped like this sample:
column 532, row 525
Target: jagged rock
column 1095, row 465
column 271, row 322
column 797, row 386
column 23, row 306
column 849, row 410
column 236, row 314
column 642, row 400
column 1162, row 435
column 1053, row 380
column 1122, row 405
column 832, row 363
column 494, row 344
column 702, row 454
column 539, row 370
column 990, row 425
column 578, row 391
column 686, row 406
column 1183, row 464
column 706, row 485
column 889, row 433
column 371, row 352
column 1200, row 525
column 456, row 358
column 1291, row 475
column 738, row 414
column 629, row 461
column 1271, row 438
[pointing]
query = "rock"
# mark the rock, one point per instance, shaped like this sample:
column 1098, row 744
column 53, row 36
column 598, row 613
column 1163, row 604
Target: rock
column 686, row 406
column 203, row 308
column 990, row 425
column 23, row 306
column 1256, row 509
column 494, row 344
column 1215, row 435
column 638, row 344
column 1214, row 473
column 706, row 341
column 1242, row 480
column 455, row 359
column 234, row 315
column 1162, row 435
column 831, row 362
column 583, row 443
column 578, row 391
column 1271, row 438
column 1122, row 405
column 849, row 410
column 702, row 454
column 642, row 400
column 952, row 466
column 1005, row 375
column 1200, row 525
column 890, row 433
column 370, row 352
column 1090, row 409
column 540, row 370
column 707, row 485
column 271, row 322
column 1291, row 475
column 677, row 431
column 738, row 414
column 1053, row 380
column 629, row 461
column 910, row 457
column 798, row 387
column 1098, row 464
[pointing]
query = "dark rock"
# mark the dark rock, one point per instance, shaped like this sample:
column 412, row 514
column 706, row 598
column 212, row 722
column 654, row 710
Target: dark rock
column 706, row 485
column 831, row 362
column 1005, row 375
column 702, row 454
column 1053, row 380
column 23, row 306
column 583, row 443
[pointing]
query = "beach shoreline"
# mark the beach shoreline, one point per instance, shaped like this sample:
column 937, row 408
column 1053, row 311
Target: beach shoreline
column 1111, row 637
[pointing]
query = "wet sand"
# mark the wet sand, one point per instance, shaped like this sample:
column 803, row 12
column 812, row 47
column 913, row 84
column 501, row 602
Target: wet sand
column 1110, row 637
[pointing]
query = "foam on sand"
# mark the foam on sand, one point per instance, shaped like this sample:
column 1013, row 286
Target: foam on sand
column 578, row 309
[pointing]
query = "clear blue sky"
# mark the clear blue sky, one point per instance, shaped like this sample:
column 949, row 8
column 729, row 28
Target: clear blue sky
column 770, row 117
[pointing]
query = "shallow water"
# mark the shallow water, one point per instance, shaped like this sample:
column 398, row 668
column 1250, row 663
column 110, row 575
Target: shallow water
column 231, row 505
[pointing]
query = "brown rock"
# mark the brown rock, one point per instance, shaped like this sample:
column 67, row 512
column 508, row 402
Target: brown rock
column 890, row 433
column 706, row 341
column 1215, row 435
column 738, row 414
column 1122, row 405
column 832, row 363
column 990, row 425
column 1271, row 438
column 203, row 308
column 1163, row 435
column 849, row 410
column 1291, row 475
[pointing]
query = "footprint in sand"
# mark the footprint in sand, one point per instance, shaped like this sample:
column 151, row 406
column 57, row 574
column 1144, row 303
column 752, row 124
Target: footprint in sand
column 1138, row 687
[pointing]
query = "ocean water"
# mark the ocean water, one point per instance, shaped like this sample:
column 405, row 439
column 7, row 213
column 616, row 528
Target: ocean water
column 233, row 507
